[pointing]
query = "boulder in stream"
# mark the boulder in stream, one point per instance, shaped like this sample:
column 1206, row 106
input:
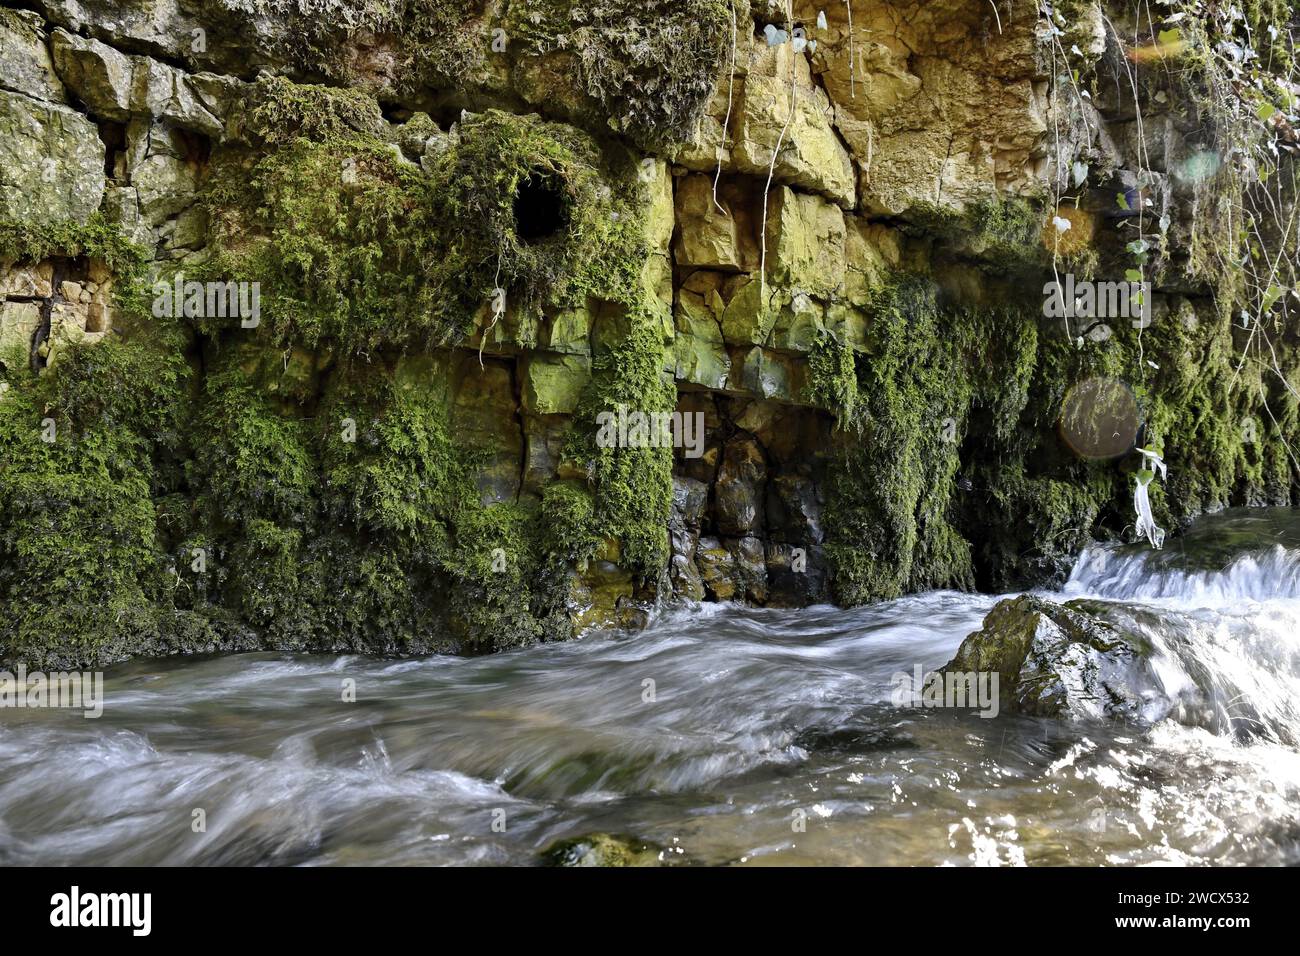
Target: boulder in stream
column 1060, row 661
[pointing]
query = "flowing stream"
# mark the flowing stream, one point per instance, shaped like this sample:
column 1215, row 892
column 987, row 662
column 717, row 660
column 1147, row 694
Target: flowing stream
column 766, row 737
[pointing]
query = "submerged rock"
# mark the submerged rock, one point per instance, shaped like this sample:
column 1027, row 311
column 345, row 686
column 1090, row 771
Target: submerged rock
column 603, row 849
column 1055, row 660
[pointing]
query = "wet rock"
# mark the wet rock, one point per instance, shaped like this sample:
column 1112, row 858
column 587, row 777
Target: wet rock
column 699, row 352
column 750, row 569
column 544, row 443
column 749, row 317
column 603, row 849
column 796, row 575
column 765, row 373
column 713, row 236
column 689, row 500
column 811, row 154
column 737, row 493
column 484, row 414
column 601, row 596
column 1055, row 660
column 799, row 324
column 704, row 468
column 685, row 577
column 717, row 568
column 568, row 331
column 872, row 253
column 794, row 512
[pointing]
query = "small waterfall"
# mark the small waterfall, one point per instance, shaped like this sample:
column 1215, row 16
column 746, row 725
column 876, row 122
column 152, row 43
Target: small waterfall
column 1224, row 634
column 1121, row 574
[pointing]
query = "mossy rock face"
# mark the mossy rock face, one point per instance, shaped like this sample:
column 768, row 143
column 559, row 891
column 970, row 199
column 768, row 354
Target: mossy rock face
column 646, row 67
column 540, row 210
column 403, row 456
column 1058, row 661
column 603, row 849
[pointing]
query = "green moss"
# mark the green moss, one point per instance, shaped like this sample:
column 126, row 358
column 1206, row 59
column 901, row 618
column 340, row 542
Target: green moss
column 890, row 480
column 439, row 43
column 648, row 65
column 282, row 111
column 30, row 241
column 569, row 517
column 357, row 249
column 833, row 377
column 363, row 529
column 597, row 250
column 339, row 237
column 85, row 449
column 631, row 487
column 445, row 43
column 1004, row 233
column 88, row 449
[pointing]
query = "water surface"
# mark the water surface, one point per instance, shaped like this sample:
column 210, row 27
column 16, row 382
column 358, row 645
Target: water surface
column 766, row 737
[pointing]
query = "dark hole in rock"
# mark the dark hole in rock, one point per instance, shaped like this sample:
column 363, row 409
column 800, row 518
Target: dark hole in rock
column 113, row 136
column 541, row 210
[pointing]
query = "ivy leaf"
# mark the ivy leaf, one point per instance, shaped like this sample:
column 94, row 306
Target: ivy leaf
column 1270, row 297
column 1122, row 201
column 1265, row 110
column 1133, row 275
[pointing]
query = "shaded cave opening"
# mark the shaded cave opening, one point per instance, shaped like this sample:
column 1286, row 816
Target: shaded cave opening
column 541, row 208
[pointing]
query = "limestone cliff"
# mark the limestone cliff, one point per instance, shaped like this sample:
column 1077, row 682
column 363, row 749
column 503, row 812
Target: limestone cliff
column 312, row 311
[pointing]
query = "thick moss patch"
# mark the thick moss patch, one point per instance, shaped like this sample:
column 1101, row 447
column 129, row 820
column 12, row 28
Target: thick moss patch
column 648, row 65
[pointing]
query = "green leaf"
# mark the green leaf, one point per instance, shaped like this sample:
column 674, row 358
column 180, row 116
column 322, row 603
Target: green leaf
column 1133, row 275
column 1271, row 296
column 1122, row 201
column 1265, row 110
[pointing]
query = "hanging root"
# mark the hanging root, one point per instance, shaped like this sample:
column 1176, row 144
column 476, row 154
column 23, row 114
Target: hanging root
column 853, row 93
column 726, row 122
column 771, row 171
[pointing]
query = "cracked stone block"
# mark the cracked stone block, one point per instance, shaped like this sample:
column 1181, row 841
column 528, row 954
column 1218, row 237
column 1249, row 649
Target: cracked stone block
column 18, row 324
column 51, row 161
column 25, row 64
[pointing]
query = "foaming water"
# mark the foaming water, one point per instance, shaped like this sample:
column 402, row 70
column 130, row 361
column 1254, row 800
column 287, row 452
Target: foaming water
column 1224, row 560
column 724, row 734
